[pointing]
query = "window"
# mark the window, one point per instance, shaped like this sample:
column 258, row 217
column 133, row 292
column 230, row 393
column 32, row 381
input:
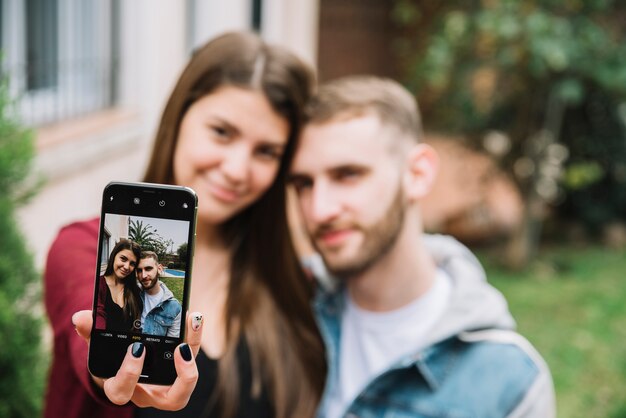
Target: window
column 60, row 56
column 257, row 7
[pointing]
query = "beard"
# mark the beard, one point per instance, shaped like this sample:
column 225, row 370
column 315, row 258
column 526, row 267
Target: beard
column 151, row 284
column 378, row 240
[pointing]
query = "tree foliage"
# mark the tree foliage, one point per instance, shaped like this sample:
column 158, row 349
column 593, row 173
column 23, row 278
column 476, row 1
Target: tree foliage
column 148, row 239
column 22, row 365
column 528, row 70
column 182, row 251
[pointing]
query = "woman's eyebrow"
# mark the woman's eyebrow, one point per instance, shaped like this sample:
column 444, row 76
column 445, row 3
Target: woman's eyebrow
column 225, row 122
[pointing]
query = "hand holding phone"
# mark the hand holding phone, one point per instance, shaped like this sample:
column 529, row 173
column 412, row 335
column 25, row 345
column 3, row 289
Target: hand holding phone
column 124, row 386
column 142, row 278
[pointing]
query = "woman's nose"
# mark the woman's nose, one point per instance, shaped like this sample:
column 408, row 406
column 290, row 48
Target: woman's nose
column 236, row 164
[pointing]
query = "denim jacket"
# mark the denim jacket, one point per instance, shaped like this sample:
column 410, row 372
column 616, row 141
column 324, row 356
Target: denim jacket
column 474, row 364
column 163, row 319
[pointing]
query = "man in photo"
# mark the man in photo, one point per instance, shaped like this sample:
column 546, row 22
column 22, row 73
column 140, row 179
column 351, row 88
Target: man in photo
column 161, row 311
column 411, row 326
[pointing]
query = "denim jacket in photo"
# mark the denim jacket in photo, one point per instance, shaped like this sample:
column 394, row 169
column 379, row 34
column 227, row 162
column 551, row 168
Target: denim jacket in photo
column 163, row 319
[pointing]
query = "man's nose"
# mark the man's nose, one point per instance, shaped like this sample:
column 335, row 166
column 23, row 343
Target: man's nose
column 325, row 205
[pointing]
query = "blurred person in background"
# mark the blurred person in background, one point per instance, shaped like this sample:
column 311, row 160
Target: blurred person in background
column 228, row 131
column 411, row 326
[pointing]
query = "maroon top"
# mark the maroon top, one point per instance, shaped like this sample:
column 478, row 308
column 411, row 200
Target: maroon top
column 69, row 285
column 101, row 313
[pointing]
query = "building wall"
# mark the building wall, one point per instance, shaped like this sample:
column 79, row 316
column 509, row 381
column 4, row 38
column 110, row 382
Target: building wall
column 355, row 37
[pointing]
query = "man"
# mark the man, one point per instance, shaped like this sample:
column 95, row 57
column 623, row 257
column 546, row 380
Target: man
column 412, row 328
column 161, row 311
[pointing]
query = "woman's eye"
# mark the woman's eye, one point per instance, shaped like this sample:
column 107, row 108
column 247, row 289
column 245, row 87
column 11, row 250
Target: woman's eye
column 221, row 133
column 270, row 153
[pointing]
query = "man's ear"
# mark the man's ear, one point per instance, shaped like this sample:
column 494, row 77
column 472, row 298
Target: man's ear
column 160, row 268
column 422, row 168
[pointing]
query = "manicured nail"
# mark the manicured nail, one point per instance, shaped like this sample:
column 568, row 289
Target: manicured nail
column 137, row 349
column 185, row 352
column 196, row 321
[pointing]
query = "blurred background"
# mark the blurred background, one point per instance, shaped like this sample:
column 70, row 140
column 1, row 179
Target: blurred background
column 525, row 101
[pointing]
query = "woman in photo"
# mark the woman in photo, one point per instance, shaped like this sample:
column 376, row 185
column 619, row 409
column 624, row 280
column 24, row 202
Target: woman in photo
column 119, row 304
column 228, row 131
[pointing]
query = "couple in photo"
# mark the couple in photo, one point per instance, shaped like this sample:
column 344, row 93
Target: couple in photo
column 131, row 296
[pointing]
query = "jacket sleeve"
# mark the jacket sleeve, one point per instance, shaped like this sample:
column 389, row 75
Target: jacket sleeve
column 174, row 330
column 539, row 401
column 69, row 287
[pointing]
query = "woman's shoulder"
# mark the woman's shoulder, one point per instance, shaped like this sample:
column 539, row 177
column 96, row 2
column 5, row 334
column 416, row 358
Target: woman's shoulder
column 74, row 249
column 82, row 229
column 75, row 235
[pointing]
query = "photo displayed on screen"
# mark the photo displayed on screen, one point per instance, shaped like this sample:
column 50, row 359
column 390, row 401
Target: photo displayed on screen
column 142, row 275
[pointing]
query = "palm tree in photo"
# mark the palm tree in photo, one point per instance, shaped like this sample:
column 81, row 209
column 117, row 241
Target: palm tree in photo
column 143, row 234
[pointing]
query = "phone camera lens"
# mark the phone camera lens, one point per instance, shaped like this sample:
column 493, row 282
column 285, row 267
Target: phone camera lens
column 185, row 206
column 161, row 203
column 136, row 201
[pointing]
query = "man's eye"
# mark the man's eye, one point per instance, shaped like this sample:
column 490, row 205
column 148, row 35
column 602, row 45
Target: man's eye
column 348, row 174
column 301, row 184
column 219, row 130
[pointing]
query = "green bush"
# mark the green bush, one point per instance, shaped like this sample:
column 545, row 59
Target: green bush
column 548, row 78
column 22, row 365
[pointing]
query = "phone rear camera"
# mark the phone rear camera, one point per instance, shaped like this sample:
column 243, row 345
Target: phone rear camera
column 185, row 206
column 136, row 201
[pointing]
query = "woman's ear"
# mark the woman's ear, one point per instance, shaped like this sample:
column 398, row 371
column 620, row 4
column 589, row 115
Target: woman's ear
column 422, row 168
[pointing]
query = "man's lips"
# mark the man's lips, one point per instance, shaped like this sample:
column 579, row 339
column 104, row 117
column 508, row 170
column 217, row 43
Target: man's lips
column 335, row 237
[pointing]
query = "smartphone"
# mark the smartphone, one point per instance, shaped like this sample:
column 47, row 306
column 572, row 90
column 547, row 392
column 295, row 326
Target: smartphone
column 143, row 277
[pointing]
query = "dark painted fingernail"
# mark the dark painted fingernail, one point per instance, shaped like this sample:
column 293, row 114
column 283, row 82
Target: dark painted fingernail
column 137, row 349
column 185, row 352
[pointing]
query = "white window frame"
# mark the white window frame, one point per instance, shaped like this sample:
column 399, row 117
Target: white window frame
column 41, row 106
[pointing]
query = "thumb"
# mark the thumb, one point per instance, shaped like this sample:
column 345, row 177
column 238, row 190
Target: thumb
column 83, row 322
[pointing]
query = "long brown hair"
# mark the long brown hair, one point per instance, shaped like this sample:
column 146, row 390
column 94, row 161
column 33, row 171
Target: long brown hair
column 268, row 300
column 132, row 300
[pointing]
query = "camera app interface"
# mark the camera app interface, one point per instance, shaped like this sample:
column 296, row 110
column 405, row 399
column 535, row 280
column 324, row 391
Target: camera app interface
column 142, row 272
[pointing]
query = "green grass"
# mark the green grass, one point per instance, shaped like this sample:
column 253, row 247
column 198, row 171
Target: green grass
column 175, row 284
column 571, row 304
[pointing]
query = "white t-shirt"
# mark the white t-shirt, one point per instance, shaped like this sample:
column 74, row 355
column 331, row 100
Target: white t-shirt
column 150, row 302
column 372, row 341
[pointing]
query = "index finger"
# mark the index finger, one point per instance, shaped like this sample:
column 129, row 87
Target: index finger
column 174, row 397
column 121, row 387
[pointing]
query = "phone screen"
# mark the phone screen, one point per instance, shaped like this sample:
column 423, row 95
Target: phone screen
column 143, row 277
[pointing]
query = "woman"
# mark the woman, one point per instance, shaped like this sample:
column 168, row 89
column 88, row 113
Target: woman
column 229, row 131
column 119, row 304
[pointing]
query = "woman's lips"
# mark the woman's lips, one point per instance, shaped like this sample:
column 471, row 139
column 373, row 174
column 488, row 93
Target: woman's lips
column 223, row 193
